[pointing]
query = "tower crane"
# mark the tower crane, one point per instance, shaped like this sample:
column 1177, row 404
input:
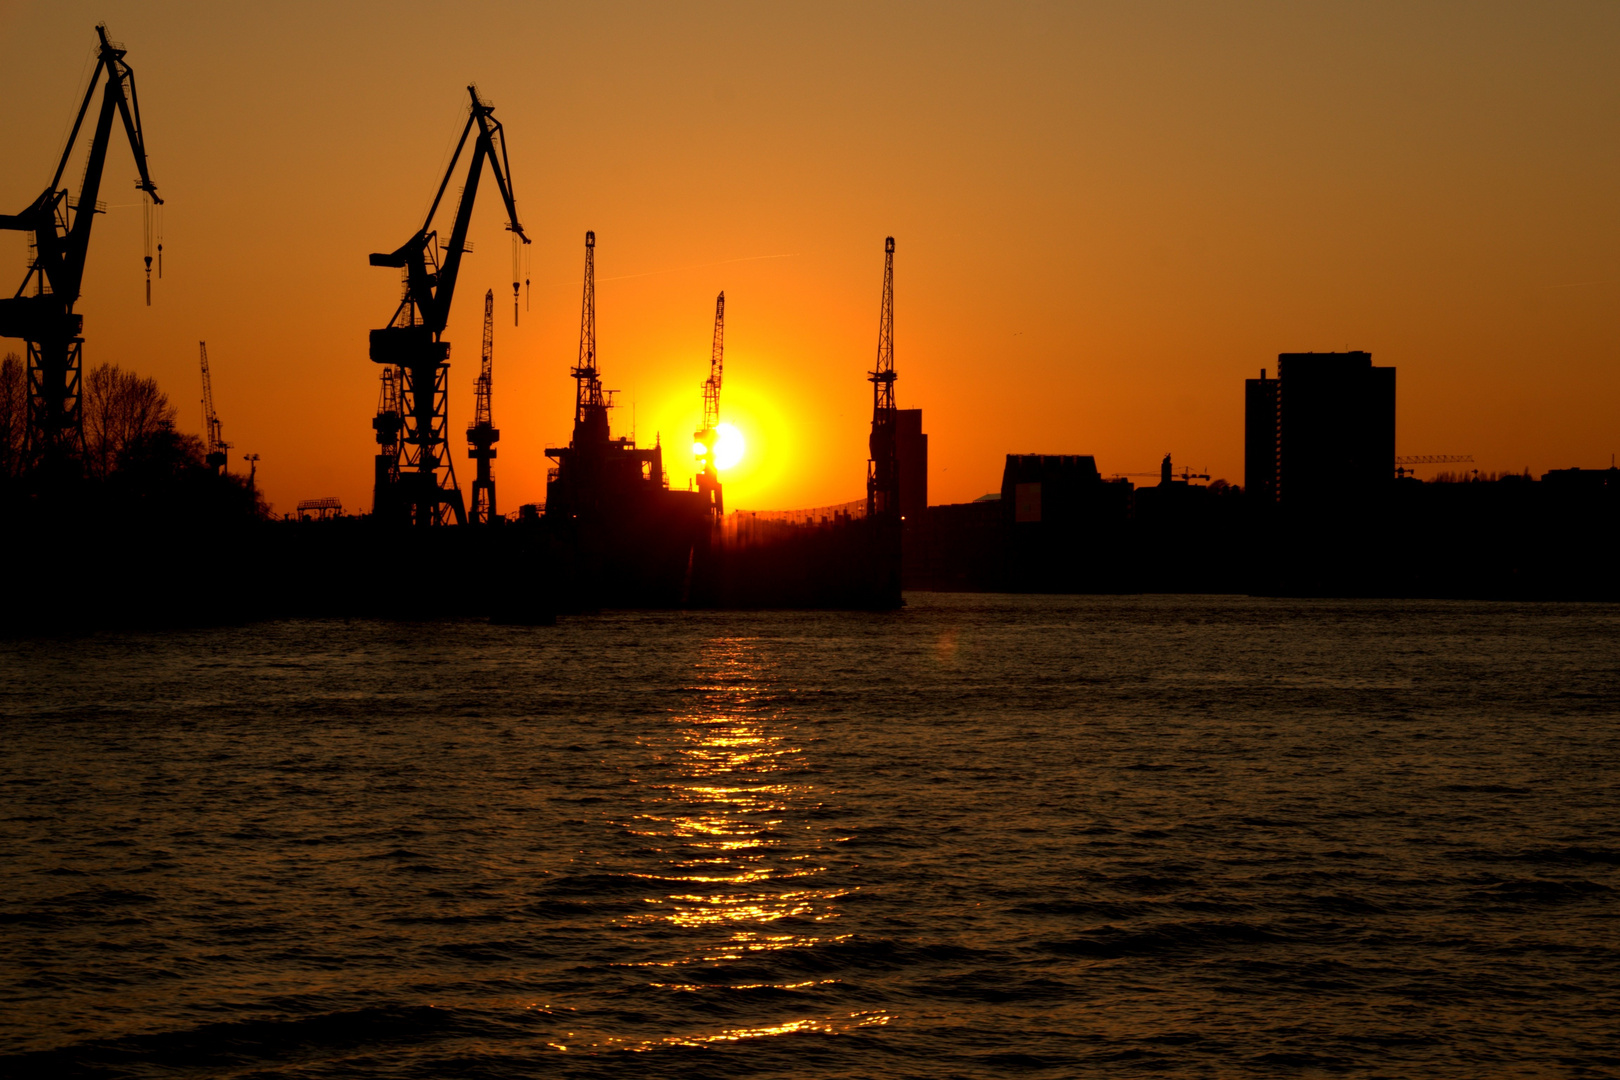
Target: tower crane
column 413, row 341
column 1403, row 465
column 214, row 444
column 59, row 242
column 883, row 472
column 708, row 480
column 590, row 408
column 482, row 433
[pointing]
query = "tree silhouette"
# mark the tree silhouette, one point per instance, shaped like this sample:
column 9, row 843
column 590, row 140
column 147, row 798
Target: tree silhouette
column 121, row 409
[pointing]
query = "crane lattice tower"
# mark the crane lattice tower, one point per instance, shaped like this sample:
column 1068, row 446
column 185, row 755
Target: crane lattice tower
column 708, row 479
column 590, row 408
column 482, row 435
column 214, row 444
column 883, row 470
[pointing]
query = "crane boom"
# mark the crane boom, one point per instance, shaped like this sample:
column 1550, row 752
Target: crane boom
column 717, row 366
column 1434, row 459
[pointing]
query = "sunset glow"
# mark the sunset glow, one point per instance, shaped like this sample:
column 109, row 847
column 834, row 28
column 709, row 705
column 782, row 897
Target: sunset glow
column 1052, row 217
column 728, row 447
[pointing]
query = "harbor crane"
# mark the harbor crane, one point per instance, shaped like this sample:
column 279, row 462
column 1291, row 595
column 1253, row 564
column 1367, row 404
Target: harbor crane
column 590, row 407
column 703, row 440
column 413, row 341
column 482, row 435
column 214, row 444
column 883, row 471
column 59, row 241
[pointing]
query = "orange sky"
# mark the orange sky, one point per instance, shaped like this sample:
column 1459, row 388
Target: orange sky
column 1106, row 217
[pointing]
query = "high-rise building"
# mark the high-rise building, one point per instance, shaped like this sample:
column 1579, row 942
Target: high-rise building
column 1260, row 437
column 1322, row 432
column 911, row 455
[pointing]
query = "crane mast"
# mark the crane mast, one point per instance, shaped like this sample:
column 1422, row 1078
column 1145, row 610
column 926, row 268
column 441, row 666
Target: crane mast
column 59, row 242
column 883, row 471
column 413, row 341
column 708, row 479
column 590, row 410
column 214, row 444
column 883, row 521
column 482, row 434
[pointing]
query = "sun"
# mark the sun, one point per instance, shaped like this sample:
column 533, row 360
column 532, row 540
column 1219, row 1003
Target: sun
column 728, row 446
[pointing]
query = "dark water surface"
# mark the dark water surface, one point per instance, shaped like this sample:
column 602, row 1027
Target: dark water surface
column 986, row 836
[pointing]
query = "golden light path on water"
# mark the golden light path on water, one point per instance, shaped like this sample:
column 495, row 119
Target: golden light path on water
column 730, row 817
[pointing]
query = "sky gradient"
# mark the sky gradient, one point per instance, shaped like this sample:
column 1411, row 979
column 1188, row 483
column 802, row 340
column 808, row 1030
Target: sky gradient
column 1106, row 217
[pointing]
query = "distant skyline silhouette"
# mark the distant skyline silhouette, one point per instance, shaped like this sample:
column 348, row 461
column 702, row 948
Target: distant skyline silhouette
column 1108, row 217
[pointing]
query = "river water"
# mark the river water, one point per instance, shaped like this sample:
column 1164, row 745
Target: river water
column 984, row 836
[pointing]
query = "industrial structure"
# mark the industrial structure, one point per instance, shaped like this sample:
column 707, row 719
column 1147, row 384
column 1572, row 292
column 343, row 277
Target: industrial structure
column 59, row 240
column 596, row 472
column 883, row 468
column 883, row 472
column 214, row 444
column 387, row 424
column 482, row 435
column 708, row 478
column 628, row 538
column 1323, row 432
column 422, row 483
column 1327, row 508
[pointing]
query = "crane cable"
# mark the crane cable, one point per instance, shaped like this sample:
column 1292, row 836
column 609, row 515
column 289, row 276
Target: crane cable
column 146, row 232
column 151, row 228
column 521, row 264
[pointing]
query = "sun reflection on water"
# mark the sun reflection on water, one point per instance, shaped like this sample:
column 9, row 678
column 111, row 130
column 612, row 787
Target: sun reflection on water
column 727, row 813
